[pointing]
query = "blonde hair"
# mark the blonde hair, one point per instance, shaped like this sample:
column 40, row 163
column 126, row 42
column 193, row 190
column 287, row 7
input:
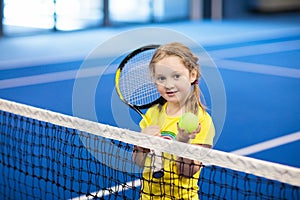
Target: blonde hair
column 190, row 61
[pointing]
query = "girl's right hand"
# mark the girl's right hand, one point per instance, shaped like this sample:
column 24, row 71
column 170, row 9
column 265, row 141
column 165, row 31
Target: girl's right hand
column 153, row 130
column 149, row 130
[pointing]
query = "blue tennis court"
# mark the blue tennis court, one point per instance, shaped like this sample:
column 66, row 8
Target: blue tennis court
column 257, row 60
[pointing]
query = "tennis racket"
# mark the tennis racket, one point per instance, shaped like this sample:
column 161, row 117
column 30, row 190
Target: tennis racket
column 136, row 88
column 133, row 81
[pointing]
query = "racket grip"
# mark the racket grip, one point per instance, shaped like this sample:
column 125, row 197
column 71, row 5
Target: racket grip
column 157, row 164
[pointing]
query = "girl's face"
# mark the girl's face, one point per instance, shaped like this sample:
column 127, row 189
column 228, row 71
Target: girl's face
column 173, row 79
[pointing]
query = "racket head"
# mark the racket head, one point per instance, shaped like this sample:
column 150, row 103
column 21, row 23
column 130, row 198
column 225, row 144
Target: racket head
column 133, row 81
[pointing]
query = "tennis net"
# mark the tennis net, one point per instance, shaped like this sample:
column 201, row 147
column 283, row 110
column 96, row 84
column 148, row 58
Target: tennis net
column 47, row 155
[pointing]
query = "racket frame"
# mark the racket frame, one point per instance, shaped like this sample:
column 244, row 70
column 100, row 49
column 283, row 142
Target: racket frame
column 117, row 78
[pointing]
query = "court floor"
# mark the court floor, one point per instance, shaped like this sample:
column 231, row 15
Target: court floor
column 258, row 61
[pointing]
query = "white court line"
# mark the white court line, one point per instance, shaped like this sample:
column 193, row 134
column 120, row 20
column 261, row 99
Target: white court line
column 37, row 79
column 268, row 144
column 276, row 142
column 258, row 68
column 37, row 61
column 107, row 192
column 50, row 77
column 256, row 49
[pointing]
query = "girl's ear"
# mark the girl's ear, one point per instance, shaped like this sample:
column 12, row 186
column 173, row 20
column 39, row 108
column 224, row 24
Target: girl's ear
column 193, row 76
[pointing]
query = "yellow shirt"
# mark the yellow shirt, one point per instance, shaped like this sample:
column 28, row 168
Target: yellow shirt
column 171, row 185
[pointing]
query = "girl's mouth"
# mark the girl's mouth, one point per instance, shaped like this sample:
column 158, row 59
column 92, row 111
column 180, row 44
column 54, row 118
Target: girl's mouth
column 171, row 93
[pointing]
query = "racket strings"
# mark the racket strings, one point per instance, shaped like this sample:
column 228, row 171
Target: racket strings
column 136, row 84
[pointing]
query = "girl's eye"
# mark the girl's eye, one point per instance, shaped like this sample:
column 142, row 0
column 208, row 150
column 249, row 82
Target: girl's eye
column 176, row 76
column 160, row 79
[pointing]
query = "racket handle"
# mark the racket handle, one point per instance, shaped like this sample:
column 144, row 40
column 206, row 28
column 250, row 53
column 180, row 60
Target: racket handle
column 157, row 164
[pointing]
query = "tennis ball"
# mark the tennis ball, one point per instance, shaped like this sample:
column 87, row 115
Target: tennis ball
column 189, row 122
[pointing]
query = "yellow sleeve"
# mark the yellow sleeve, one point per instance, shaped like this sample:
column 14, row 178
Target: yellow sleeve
column 143, row 124
column 207, row 131
column 151, row 115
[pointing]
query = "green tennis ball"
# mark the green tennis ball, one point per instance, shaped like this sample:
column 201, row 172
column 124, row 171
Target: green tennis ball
column 189, row 122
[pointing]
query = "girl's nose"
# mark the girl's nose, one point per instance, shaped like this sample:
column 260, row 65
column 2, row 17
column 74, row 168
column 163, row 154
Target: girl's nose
column 169, row 84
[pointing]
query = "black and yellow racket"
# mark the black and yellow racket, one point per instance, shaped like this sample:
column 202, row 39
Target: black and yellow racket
column 133, row 81
column 137, row 89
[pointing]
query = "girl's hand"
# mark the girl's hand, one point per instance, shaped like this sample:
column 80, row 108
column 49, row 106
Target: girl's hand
column 152, row 130
column 182, row 136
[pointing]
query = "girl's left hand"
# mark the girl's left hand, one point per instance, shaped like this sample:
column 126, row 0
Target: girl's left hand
column 185, row 137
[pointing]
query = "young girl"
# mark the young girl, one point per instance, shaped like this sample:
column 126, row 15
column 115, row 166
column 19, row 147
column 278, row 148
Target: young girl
column 176, row 72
